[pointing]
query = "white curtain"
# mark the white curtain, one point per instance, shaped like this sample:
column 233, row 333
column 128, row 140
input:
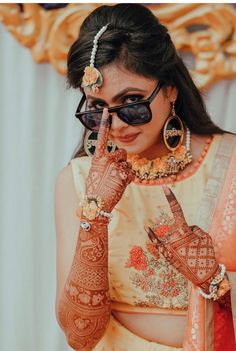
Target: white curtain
column 38, row 134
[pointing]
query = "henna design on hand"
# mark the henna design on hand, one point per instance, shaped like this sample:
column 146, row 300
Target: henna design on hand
column 84, row 308
column 109, row 174
column 189, row 249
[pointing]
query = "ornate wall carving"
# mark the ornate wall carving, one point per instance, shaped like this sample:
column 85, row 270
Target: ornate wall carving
column 207, row 32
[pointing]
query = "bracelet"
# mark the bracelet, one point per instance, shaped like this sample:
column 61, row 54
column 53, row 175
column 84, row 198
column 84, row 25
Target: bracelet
column 91, row 208
column 106, row 214
column 214, row 285
column 211, row 295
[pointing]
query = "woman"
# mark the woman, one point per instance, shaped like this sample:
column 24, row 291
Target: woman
column 144, row 255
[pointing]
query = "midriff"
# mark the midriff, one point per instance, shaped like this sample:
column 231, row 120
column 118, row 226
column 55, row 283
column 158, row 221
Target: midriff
column 160, row 325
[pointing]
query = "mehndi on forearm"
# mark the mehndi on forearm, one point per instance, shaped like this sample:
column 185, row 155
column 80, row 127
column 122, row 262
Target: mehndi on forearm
column 83, row 310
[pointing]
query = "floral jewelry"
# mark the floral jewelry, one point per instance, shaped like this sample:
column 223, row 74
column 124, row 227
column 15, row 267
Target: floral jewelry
column 91, row 208
column 162, row 166
column 218, row 286
column 92, row 78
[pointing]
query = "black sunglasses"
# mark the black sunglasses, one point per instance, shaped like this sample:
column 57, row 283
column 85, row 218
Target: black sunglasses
column 134, row 113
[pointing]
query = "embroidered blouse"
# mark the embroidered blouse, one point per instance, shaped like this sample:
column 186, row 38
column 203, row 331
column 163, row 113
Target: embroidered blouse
column 138, row 274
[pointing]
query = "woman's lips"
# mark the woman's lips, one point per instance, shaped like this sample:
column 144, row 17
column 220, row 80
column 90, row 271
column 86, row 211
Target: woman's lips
column 128, row 138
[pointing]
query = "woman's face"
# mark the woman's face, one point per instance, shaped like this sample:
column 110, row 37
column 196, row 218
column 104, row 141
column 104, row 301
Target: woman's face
column 145, row 140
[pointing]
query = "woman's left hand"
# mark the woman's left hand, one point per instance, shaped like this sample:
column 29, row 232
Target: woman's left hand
column 189, row 249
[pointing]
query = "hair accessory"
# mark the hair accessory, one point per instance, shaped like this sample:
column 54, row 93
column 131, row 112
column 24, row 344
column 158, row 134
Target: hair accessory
column 90, row 142
column 92, row 78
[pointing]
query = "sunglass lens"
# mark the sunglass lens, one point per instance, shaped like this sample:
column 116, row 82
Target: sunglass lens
column 92, row 120
column 135, row 115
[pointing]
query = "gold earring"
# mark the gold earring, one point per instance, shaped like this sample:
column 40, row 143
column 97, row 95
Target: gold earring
column 173, row 130
column 90, row 142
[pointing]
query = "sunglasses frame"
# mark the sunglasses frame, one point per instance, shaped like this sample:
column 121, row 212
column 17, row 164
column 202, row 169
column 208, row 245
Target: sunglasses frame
column 145, row 102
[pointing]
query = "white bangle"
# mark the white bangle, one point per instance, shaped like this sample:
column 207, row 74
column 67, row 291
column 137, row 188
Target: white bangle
column 106, row 214
column 214, row 284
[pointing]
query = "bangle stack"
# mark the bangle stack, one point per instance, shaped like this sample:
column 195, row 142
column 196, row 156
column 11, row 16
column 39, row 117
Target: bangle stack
column 214, row 285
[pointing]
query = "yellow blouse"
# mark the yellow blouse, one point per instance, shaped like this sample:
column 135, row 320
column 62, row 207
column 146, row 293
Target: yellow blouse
column 138, row 274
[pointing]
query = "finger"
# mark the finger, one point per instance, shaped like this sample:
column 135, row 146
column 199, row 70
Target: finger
column 103, row 132
column 119, row 155
column 199, row 232
column 152, row 235
column 174, row 204
column 131, row 176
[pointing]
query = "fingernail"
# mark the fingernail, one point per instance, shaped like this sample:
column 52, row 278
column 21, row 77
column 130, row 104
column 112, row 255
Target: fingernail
column 105, row 110
column 166, row 190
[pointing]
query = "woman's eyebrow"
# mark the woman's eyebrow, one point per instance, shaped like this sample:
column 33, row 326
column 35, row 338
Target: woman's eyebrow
column 117, row 96
column 124, row 91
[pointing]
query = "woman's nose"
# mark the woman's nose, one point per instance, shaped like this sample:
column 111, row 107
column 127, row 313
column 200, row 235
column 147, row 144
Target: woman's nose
column 116, row 122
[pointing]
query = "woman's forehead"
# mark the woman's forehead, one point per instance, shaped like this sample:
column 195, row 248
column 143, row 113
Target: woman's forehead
column 118, row 80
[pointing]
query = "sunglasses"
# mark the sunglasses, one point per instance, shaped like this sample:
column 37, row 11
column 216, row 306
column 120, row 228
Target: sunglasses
column 134, row 113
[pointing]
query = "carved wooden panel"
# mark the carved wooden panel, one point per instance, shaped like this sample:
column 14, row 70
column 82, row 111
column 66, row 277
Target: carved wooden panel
column 206, row 33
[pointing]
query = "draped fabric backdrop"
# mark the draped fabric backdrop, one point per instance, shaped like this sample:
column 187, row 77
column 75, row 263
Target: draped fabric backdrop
column 38, row 134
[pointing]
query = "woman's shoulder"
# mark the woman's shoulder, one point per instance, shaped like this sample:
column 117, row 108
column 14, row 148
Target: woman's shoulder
column 81, row 162
column 227, row 139
column 70, row 180
column 80, row 167
column 65, row 185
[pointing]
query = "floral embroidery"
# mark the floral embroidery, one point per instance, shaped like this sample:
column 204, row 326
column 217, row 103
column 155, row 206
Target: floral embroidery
column 162, row 230
column 137, row 259
column 162, row 284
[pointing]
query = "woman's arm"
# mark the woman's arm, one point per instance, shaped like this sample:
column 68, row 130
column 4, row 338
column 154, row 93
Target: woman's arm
column 82, row 303
column 83, row 307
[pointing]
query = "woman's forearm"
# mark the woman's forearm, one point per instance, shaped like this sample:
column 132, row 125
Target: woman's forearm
column 83, row 311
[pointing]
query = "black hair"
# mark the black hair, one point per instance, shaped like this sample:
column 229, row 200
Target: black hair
column 137, row 40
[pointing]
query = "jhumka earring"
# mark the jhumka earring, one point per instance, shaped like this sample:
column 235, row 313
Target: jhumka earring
column 90, row 142
column 173, row 130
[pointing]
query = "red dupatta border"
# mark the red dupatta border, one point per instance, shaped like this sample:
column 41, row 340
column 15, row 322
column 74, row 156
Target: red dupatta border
column 209, row 326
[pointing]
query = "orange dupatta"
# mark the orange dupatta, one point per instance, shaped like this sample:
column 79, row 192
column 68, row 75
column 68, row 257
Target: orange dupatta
column 210, row 327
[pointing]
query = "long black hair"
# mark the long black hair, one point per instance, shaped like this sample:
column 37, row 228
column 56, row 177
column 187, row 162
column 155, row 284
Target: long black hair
column 139, row 42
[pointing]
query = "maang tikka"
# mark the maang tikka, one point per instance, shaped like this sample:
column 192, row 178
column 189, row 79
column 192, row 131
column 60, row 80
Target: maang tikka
column 92, row 78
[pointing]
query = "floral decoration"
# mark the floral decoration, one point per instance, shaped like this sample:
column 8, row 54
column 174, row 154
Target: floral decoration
column 151, row 273
column 92, row 78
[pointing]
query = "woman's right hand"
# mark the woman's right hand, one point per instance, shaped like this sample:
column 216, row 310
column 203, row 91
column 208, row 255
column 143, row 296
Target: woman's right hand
column 110, row 173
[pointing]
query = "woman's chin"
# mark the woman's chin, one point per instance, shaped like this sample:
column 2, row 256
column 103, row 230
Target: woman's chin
column 131, row 149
